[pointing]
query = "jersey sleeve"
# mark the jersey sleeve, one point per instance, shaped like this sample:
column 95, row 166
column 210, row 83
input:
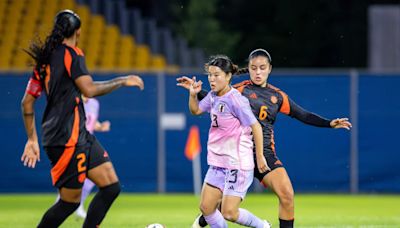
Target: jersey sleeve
column 299, row 113
column 205, row 103
column 34, row 86
column 242, row 110
column 290, row 108
column 78, row 67
column 285, row 106
column 75, row 64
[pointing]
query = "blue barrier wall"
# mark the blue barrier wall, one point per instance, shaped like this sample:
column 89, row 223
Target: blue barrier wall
column 317, row 159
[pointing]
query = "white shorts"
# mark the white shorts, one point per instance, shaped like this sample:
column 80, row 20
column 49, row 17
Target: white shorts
column 231, row 182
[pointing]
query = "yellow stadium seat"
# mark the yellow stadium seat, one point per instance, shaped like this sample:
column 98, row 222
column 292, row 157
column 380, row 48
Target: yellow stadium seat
column 83, row 12
column 67, row 4
column 158, row 63
column 125, row 53
column 142, row 57
column 5, row 60
column 105, row 48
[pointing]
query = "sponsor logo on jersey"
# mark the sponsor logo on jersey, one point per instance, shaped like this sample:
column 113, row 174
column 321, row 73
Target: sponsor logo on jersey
column 253, row 96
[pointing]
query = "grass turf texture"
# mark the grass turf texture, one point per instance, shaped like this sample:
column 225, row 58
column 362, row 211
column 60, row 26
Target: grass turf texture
column 179, row 210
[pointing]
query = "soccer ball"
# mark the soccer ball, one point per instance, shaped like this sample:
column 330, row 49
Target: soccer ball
column 155, row 225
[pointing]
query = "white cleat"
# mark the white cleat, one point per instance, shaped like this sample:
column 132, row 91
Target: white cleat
column 80, row 212
column 267, row 224
column 196, row 222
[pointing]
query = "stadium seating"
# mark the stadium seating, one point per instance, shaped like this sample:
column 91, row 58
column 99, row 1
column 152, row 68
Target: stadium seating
column 105, row 47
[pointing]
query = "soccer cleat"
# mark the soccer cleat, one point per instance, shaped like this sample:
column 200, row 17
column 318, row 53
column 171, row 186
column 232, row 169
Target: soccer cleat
column 80, row 212
column 196, row 222
column 267, row 224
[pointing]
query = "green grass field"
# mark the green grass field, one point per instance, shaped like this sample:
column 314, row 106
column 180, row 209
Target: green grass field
column 179, row 210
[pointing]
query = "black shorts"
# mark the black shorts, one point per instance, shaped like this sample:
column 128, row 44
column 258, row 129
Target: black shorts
column 273, row 162
column 71, row 164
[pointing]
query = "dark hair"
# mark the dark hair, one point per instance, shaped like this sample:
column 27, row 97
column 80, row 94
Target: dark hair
column 223, row 62
column 66, row 23
column 253, row 54
column 260, row 52
column 244, row 70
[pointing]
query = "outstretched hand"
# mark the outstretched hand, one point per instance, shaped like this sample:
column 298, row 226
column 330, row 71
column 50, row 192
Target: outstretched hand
column 134, row 80
column 184, row 82
column 195, row 87
column 31, row 154
column 190, row 84
column 105, row 126
column 341, row 123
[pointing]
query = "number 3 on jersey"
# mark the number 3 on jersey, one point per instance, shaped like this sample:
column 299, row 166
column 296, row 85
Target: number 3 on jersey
column 263, row 113
column 214, row 121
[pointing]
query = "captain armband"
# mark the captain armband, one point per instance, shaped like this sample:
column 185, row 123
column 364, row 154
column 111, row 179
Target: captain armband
column 34, row 87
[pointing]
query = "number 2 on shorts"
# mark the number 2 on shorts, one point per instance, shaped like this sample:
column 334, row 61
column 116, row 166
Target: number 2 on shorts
column 81, row 162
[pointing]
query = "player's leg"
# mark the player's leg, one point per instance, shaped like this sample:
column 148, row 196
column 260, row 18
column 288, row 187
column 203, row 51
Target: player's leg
column 86, row 189
column 64, row 207
column 208, row 206
column 102, row 173
column 232, row 212
column 69, row 178
column 236, row 186
column 211, row 195
column 279, row 182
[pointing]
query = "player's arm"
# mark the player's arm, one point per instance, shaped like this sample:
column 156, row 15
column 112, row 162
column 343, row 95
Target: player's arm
column 297, row 112
column 185, row 82
column 90, row 88
column 194, row 89
column 242, row 110
column 102, row 126
column 31, row 152
column 258, row 142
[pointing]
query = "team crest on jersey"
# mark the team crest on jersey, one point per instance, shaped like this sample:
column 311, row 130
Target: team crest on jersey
column 221, row 107
column 274, row 99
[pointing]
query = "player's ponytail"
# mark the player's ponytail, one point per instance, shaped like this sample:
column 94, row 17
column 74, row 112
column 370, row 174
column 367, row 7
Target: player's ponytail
column 66, row 23
column 244, row 70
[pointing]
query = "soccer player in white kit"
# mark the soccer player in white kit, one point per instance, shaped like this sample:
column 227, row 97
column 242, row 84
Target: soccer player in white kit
column 230, row 147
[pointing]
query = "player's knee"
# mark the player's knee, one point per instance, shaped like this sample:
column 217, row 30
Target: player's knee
column 287, row 197
column 71, row 196
column 230, row 214
column 206, row 209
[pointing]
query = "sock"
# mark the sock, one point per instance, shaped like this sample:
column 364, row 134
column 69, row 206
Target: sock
column 56, row 214
column 202, row 221
column 86, row 189
column 216, row 220
column 246, row 218
column 100, row 204
column 286, row 223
